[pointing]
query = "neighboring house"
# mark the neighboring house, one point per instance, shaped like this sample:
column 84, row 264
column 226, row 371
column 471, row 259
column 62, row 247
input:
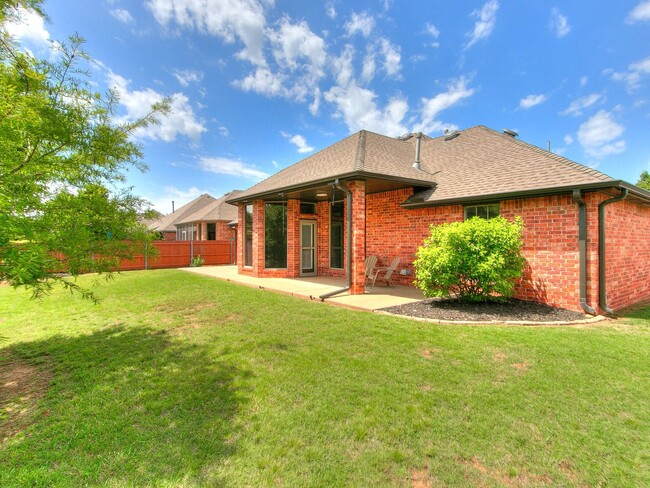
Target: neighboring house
column 385, row 192
column 203, row 219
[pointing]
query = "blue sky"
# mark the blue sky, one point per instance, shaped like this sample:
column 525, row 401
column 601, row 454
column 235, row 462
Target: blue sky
column 257, row 85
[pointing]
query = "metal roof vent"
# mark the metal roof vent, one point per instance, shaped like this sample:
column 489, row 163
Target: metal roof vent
column 418, row 142
column 451, row 135
column 510, row 132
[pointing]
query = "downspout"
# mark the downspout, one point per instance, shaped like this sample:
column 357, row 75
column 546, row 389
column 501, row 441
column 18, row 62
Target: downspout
column 602, row 282
column 348, row 258
column 582, row 237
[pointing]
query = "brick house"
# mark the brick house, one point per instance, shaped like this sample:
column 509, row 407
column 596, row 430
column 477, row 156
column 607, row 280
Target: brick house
column 385, row 192
column 203, row 219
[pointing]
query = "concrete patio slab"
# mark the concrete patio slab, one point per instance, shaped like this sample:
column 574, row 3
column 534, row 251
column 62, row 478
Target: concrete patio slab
column 312, row 287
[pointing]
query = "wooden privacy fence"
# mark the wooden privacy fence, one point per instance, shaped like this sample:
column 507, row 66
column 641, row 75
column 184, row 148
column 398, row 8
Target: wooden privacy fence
column 179, row 254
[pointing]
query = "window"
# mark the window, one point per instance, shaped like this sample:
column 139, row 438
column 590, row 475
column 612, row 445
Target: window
column 275, row 235
column 483, row 211
column 185, row 232
column 248, row 235
column 336, row 235
column 212, row 232
column 307, row 208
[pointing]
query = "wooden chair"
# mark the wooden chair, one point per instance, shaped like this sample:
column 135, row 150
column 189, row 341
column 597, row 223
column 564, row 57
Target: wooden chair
column 371, row 262
column 388, row 272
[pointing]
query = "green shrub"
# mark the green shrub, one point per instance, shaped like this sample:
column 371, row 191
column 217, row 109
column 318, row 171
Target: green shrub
column 197, row 261
column 477, row 260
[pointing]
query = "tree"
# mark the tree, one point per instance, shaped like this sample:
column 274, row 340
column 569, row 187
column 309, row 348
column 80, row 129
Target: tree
column 644, row 180
column 63, row 157
column 477, row 260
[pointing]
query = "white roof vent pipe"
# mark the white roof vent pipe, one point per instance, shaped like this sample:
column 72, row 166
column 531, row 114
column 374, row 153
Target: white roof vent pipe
column 418, row 143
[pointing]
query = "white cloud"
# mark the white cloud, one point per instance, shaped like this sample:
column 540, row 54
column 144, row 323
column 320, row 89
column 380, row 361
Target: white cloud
column 391, row 64
column 456, row 92
column 295, row 42
column 224, row 132
column 568, row 139
column 186, row 76
column 360, row 23
column 275, row 164
column 598, row 135
column 583, row 81
column 487, row 17
column 163, row 203
column 358, row 108
column 392, row 58
column 369, row 67
column 123, row 15
column 434, row 32
column 300, row 58
column 531, row 101
column 137, row 104
column 314, row 106
column 559, row 23
column 299, row 141
column 639, row 13
column 342, row 66
column 330, row 10
column 231, row 20
column 231, row 167
column 577, row 106
column 28, row 26
column 634, row 74
column 262, row 81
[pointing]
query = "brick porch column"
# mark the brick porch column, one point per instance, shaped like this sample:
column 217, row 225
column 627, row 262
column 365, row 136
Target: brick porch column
column 358, row 189
column 258, row 237
column 293, row 238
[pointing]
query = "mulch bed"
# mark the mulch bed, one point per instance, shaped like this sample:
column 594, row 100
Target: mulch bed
column 510, row 311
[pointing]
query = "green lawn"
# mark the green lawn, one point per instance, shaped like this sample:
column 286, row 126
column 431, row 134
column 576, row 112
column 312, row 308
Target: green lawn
column 180, row 380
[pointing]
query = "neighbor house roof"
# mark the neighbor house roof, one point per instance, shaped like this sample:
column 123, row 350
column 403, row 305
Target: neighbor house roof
column 478, row 163
column 205, row 205
column 215, row 210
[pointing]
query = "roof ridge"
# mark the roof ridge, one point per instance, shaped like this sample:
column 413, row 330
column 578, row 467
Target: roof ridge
column 360, row 158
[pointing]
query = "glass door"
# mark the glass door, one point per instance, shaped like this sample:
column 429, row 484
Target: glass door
column 308, row 248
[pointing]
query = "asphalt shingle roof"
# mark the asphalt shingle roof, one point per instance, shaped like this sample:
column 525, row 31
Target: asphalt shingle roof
column 478, row 162
column 203, row 208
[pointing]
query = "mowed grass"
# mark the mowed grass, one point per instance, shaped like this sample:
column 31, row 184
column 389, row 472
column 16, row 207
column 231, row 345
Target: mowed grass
column 181, row 380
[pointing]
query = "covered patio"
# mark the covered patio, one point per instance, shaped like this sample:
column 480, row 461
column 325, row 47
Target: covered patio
column 312, row 287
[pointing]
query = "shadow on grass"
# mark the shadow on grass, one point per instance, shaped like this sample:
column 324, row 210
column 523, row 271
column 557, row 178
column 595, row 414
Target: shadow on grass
column 126, row 407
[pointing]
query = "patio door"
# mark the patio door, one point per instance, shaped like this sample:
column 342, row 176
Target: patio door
column 308, row 265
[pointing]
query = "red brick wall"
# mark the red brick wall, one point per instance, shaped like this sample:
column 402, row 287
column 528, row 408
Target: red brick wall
column 551, row 273
column 224, row 233
column 168, row 236
column 392, row 231
column 627, row 253
column 551, row 249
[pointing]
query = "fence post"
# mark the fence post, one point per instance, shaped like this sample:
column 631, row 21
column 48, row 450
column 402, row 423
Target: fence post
column 146, row 255
column 191, row 251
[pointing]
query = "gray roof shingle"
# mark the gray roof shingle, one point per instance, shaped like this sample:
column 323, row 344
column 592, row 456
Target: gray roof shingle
column 203, row 208
column 478, row 162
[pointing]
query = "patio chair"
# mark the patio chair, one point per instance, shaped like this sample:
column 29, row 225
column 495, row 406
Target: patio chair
column 371, row 262
column 388, row 272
